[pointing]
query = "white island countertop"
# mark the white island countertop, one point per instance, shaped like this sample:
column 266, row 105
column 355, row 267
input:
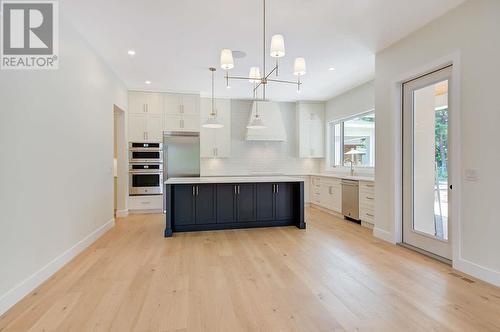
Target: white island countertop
column 232, row 179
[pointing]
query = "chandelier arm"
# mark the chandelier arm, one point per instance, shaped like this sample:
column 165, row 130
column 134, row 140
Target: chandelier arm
column 282, row 81
column 272, row 71
column 238, row 78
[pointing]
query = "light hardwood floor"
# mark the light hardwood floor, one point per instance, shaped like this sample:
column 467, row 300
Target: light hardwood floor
column 334, row 276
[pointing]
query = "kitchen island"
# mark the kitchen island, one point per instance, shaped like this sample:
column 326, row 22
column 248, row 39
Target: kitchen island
column 215, row 203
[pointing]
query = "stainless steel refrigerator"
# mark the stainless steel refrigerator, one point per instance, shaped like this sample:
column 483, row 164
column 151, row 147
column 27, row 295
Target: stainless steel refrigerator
column 181, row 155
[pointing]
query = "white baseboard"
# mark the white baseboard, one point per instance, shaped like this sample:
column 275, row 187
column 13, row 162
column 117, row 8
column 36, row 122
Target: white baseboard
column 383, row 235
column 121, row 213
column 26, row 286
column 477, row 271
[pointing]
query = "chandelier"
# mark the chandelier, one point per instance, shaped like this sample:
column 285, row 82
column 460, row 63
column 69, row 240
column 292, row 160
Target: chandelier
column 254, row 76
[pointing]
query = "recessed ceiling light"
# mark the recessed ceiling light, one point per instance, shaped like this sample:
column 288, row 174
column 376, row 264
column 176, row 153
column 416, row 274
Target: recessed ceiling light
column 148, row 82
column 331, row 69
column 131, row 52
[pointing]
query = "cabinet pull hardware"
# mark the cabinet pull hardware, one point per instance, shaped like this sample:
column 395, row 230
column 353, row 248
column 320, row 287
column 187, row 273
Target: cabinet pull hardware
column 197, row 190
column 147, row 108
column 274, row 189
column 277, row 188
column 370, row 185
column 330, row 190
column 368, row 197
column 238, row 189
column 235, row 192
column 193, row 190
column 370, row 215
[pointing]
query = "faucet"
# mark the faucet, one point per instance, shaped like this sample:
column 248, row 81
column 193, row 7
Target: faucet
column 352, row 167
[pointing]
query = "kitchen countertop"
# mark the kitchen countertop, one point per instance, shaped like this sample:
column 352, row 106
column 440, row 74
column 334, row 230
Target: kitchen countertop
column 347, row 177
column 232, row 179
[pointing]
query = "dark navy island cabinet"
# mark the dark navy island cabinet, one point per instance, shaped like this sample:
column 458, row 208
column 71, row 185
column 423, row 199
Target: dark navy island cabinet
column 197, row 207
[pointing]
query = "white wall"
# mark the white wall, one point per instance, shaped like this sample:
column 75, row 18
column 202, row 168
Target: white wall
column 471, row 33
column 250, row 158
column 56, row 177
column 357, row 100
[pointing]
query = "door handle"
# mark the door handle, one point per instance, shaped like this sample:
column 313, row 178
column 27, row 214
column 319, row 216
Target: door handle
column 277, row 188
column 147, row 108
column 197, row 190
column 274, row 189
column 193, row 191
column 238, row 189
column 235, row 190
column 451, row 187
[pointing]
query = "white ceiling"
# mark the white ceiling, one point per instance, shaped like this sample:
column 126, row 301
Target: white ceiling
column 176, row 41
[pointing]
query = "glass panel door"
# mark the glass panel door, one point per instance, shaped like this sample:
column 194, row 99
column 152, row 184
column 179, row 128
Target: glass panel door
column 425, row 163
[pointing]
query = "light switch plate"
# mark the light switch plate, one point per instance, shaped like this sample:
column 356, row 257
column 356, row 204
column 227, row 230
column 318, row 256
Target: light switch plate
column 471, row 175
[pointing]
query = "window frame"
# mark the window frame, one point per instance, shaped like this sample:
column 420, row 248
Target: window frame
column 331, row 153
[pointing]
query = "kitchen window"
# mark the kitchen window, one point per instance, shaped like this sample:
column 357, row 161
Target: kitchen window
column 352, row 140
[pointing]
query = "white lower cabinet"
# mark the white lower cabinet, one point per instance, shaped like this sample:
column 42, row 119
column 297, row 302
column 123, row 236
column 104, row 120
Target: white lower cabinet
column 367, row 203
column 326, row 192
column 145, row 203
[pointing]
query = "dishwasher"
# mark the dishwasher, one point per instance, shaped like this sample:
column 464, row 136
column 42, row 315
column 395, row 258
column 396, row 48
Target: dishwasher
column 350, row 199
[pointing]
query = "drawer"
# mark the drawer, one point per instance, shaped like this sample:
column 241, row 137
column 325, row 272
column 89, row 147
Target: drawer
column 366, row 198
column 367, row 216
column 145, row 202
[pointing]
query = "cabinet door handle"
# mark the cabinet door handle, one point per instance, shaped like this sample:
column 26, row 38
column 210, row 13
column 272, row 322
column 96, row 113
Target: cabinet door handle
column 370, row 215
column 197, row 190
column 330, row 190
column 193, row 191
column 238, row 189
column 274, row 189
column 235, row 190
column 144, row 108
column 277, row 188
column 368, row 197
column 147, row 108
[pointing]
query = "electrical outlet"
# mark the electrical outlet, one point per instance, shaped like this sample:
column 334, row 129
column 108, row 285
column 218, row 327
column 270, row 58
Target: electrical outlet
column 471, row 175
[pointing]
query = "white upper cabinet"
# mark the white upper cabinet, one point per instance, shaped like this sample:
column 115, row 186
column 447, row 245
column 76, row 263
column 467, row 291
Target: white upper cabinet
column 145, row 127
column 145, row 102
column 216, row 143
column 181, row 112
column 311, row 125
column 180, row 104
column 145, row 117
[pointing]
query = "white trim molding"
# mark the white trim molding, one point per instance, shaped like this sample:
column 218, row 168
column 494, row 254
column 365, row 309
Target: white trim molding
column 26, row 286
column 477, row 271
column 121, row 213
column 383, row 235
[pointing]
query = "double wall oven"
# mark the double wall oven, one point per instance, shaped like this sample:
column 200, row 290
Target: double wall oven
column 146, row 168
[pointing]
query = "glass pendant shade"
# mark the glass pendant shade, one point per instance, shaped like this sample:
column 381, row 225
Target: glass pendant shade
column 226, row 59
column 212, row 123
column 277, row 46
column 254, row 75
column 299, row 67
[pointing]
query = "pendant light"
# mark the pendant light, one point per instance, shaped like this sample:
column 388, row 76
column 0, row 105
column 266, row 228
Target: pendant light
column 212, row 118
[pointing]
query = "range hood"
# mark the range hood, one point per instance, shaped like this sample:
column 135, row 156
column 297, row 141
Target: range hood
column 270, row 114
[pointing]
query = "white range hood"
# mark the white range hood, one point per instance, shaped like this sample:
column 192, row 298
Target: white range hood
column 270, row 114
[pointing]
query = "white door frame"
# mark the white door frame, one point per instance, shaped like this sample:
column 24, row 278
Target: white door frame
column 122, row 185
column 411, row 236
column 455, row 154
